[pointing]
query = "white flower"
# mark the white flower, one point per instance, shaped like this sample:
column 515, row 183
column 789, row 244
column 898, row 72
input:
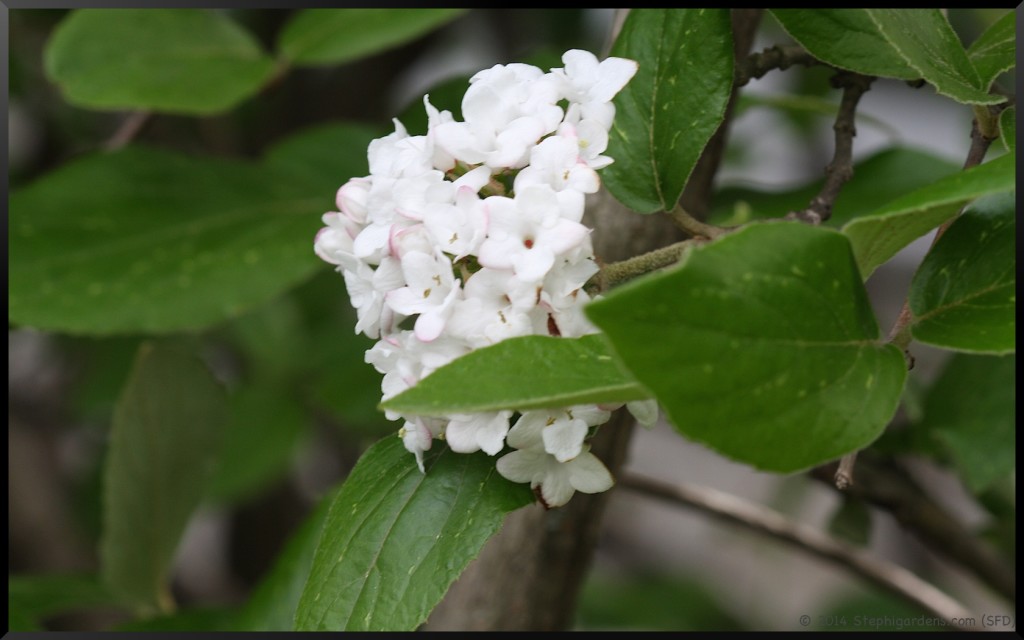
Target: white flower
column 558, row 481
column 458, row 228
column 593, row 84
column 430, row 291
column 467, row 433
column 419, row 239
column 560, row 432
column 528, row 232
column 417, row 438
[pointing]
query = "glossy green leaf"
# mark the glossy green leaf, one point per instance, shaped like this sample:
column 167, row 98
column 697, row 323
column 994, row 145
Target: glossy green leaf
column 928, row 43
column 266, row 426
column 1008, row 128
column 964, row 294
column 32, row 598
column 970, row 410
column 673, row 105
column 876, row 180
column 168, row 241
column 191, row 61
column 529, row 372
column 775, row 314
column 333, row 36
column 995, row 50
column 845, row 38
column 273, row 604
column 879, row 236
column 164, row 442
column 395, row 539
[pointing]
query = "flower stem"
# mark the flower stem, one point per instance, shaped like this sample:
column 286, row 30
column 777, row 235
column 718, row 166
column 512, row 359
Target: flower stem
column 619, row 272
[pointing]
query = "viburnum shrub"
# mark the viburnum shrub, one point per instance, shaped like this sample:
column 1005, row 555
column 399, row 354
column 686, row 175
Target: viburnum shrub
column 471, row 234
column 508, row 343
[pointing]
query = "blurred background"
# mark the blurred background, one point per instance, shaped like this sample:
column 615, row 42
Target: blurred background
column 304, row 402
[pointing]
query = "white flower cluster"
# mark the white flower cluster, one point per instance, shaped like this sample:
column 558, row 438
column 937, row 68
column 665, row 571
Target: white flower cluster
column 472, row 232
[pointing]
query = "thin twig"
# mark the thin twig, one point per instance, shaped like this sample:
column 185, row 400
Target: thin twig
column 127, row 130
column 693, row 226
column 760, row 519
column 840, row 170
column 756, row 65
column 887, row 485
column 618, row 272
column 844, row 474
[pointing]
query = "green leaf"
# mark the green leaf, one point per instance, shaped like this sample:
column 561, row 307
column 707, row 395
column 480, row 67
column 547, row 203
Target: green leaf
column 880, row 235
column 324, row 157
column 876, row 180
column 273, row 604
column 995, row 50
column 333, row 36
column 190, row 61
column 153, row 241
column 845, row 38
column 667, row 113
column 928, row 43
column 32, row 598
column 963, row 296
column 395, row 539
column 529, row 372
column 658, row 602
column 266, row 427
column 1008, row 128
column 164, row 443
column 970, row 410
column 761, row 345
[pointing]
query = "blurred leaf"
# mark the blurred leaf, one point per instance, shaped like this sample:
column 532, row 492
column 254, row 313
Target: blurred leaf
column 845, row 38
column 667, row 113
column 879, row 236
column 851, row 521
column 1008, row 128
column 164, row 443
column 271, row 338
column 101, row 366
column 142, row 240
column 926, row 41
column 207, row 620
column 191, row 61
column 995, row 50
column 529, row 372
column 963, row 296
column 333, row 36
column 872, row 611
column 273, row 604
column 650, row 603
column 395, row 539
column 324, row 157
column 348, row 387
column 266, row 427
column 774, row 312
column 970, row 410
column 33, row 598
column 876, row 180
